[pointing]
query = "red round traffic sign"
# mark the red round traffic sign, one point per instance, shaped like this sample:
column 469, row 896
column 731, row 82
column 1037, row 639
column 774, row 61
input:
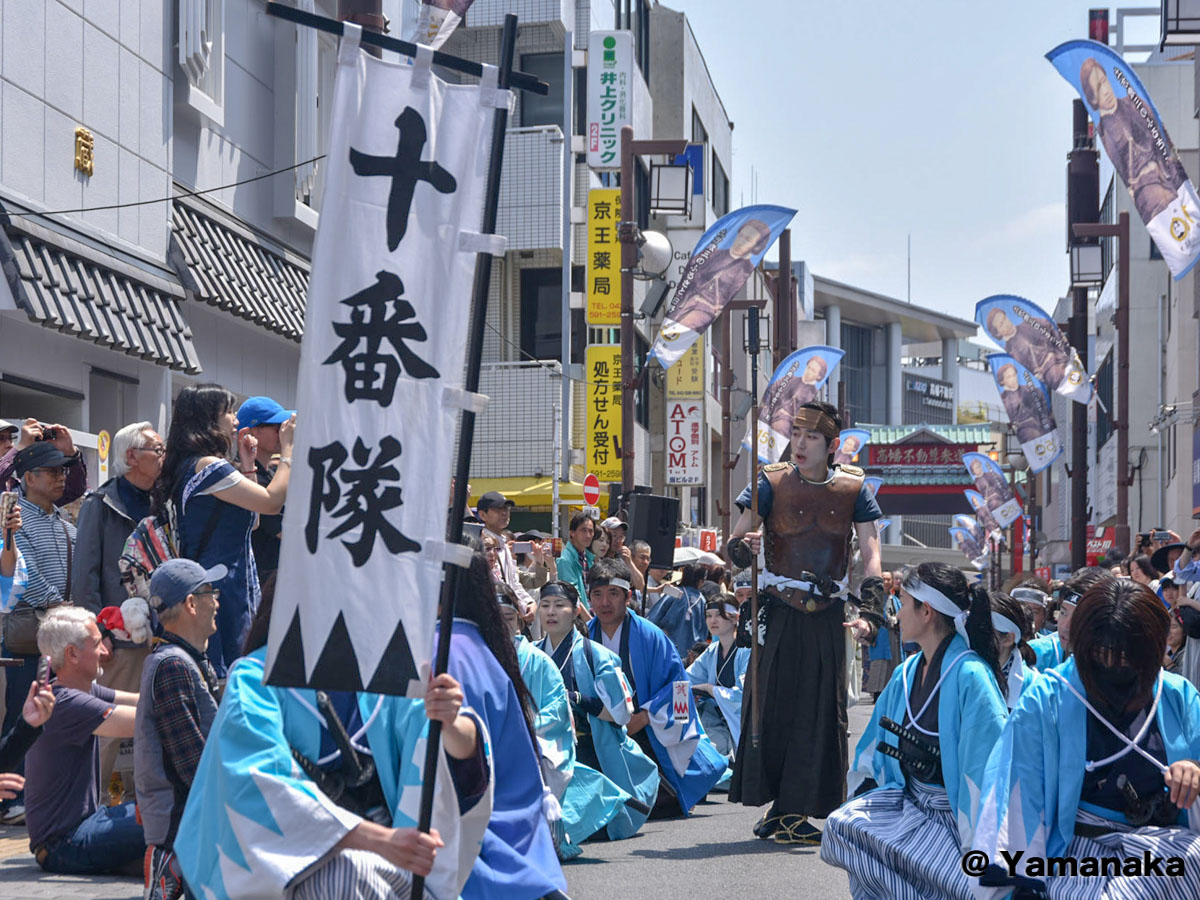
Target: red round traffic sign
column 591, row 490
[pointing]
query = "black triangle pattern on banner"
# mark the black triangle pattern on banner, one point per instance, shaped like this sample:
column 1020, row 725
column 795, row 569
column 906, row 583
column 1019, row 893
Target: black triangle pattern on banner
column 289, row 662
column 396, row 668
column 337, row 666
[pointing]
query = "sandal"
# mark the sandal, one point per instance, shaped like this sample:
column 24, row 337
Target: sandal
column 766, row 827
column 796, row 829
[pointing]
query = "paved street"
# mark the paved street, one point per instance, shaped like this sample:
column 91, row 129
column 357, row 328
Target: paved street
column 714, row 847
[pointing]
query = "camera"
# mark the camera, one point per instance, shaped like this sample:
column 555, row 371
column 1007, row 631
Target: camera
column 49, row 432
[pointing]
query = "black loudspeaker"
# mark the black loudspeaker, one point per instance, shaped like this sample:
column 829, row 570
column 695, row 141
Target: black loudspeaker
column 654, row 519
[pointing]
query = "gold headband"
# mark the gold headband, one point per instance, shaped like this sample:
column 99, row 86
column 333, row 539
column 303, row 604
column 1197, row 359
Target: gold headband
column 816, row 420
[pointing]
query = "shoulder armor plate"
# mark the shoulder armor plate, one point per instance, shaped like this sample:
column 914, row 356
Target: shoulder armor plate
column 851, row 470
column 776, row 467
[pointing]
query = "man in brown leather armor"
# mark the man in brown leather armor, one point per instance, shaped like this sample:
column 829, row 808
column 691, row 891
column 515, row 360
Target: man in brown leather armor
column 808, row 508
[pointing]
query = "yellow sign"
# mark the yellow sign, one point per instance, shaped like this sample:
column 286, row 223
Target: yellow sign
column 103, row 445
column 603, row 257
column 685, row 379
column 603, row 374
column 85, row 147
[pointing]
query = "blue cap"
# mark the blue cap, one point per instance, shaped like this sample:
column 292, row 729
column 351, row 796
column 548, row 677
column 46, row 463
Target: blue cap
column 262, row 411
column 176, row 578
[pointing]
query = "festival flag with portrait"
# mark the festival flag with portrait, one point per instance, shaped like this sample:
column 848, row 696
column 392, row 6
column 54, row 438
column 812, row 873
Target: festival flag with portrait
column 971, row 547
column 997, row 495
column 1031, row 337
column 873, row 484
column 721, row 262
column 1136, row 142
column 852, row 442
column 971, row 524
column 381, row 375
column 1027, row 403
column 986, row 520
column 797, row 381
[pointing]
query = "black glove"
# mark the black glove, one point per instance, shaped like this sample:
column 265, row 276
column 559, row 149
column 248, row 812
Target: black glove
column 591, row 706
column 871, row 599
column 740, row 553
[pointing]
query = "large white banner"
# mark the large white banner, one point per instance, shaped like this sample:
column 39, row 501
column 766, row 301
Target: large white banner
column 381, row 372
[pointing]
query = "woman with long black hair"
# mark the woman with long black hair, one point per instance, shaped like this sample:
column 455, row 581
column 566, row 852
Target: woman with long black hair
column 1013, row 630
column 517, row 858
column 900, row 836
column 215, row 503
column 1098, row 764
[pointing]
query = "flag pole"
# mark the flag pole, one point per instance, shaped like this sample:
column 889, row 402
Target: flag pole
column 756, row 707
column 454, row 577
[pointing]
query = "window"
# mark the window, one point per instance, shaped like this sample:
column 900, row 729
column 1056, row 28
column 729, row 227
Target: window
column 641, row 408
column 856, row 371
column 541, row 315
column 641, row 36
column 699, row 136
column 1104, row 390
column 720, row 187
column 641, row 193
column 536, row 110
column 201, row 47
column 1108, row 216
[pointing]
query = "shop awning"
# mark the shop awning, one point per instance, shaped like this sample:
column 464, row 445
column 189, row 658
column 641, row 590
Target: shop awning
column 533, row 492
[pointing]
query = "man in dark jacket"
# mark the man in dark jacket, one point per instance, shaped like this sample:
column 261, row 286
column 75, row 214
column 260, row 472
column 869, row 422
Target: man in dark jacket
column 106, row 518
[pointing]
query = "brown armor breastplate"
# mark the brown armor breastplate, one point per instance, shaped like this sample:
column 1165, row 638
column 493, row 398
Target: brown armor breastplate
column 808, row 529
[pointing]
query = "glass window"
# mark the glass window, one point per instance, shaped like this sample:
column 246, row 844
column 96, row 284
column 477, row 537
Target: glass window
column 720, row 187
column 541, row 315
column 537, row 110
column 856, row 371
column 1104, row 390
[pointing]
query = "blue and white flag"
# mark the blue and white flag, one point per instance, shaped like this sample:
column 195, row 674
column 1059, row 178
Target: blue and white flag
column 1027, row 403
column 853, row 441
column 797, row 381
column 1136, row 141
column 997, row 495
column 976, row 552
column 1033, row 339
column 719, row 265
column 873, row 484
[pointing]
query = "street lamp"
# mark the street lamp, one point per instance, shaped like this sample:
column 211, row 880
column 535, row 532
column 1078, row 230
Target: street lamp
column 629, row 233
column 1180, row 22
column 1087, row 265
column 1120, row 231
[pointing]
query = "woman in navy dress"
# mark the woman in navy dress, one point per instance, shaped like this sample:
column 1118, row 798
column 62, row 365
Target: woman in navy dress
column 216, row 503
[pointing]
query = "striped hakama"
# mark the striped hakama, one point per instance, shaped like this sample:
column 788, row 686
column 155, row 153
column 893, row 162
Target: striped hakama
column 1160, row 843
column 898, row 844
column 360, row 874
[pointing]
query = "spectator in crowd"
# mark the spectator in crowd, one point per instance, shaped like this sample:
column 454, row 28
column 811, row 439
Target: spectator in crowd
column 640, row 563
column 653, row 666
column 33, row 431
column 106, row 517
column 495, row 510
column 8, row 436
column 617, row 549
column 16, row 743
column 70, row 832
column 885, row 654
column 8, row 549
column 46, row 543
column 1176, row 645
column 576, row 559
column 176, row 707
column 601, row 542
column 216, row 504
column 535, row 567
column 1141, row 571
column 262, row 418
column 680, row 613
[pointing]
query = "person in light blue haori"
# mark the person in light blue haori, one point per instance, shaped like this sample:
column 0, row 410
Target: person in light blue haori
column 680, row 612
column 916, row 773
column 1016, row 658
column 608, row 765
column 718, row 676
column 262, row 819
column 1053, row 649
column 1097, row 764
column 665, row 723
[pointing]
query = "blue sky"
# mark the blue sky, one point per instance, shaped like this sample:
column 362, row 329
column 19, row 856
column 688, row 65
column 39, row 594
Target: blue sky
column 939, row 118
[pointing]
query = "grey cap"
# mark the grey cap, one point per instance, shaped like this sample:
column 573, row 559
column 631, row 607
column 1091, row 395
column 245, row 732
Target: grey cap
column 176, row 578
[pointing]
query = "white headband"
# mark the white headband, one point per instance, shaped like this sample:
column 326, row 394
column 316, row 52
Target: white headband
column 615, row 582
column 1005, row 625
column 1016, row 677
column 730, row 609
column 1030, row 595
column 932, row 597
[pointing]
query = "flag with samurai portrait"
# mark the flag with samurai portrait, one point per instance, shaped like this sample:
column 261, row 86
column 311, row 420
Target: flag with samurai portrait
column 994, row 487
column 381, row 375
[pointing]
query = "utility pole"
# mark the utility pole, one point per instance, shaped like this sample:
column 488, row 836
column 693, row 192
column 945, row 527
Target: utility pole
column 1083, row 207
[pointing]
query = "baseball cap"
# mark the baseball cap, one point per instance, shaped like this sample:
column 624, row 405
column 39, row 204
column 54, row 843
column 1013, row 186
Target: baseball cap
column 493, row 500
column 41, row 455
column 614, row 522
column 262, row 411
column 176, row 578
column 6, row 425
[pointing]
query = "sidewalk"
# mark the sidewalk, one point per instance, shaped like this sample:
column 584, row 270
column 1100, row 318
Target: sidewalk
column 20, row 877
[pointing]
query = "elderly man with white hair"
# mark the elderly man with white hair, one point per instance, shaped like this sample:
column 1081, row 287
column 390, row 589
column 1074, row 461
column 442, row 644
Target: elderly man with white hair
column 70, row 831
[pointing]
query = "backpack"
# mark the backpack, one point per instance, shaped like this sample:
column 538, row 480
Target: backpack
column 152, row 542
